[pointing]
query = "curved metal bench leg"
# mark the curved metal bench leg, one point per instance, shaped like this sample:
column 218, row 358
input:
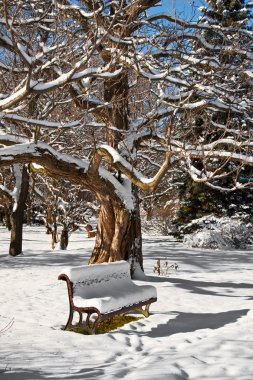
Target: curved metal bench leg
column 80, row 318
column 69, row 323
column 145, row 311
column 95, row 324
column 92, row 326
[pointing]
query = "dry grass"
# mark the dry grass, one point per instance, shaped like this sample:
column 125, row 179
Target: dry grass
column 109, row 325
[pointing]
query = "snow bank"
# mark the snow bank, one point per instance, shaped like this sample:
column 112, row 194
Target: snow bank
column 199, row 329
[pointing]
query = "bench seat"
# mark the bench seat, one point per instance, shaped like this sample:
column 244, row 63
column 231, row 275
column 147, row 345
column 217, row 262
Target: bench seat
column 108, row 299
column 104, row 289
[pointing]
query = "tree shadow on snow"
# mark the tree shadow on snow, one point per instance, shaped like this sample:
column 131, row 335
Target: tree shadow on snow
column 85, row 373
column 189, row 322
column 45, row 259
column 22, row 375
column 200, row 287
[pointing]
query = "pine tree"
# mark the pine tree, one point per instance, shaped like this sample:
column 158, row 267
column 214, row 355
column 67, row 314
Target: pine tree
column 227, row 13
column 197, row 199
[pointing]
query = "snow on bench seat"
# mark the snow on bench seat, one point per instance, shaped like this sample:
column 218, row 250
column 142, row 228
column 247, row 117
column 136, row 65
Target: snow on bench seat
column 106, row 288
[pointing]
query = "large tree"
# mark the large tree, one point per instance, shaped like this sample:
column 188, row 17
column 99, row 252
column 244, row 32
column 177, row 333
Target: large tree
column 108, row 80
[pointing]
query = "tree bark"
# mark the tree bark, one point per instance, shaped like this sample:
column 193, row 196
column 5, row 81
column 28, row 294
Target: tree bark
column 118, row 234
column 18, row 215
column 7, row 218
column 28, row 211
column 51, row 226
column 119, row 229
column 64, row 239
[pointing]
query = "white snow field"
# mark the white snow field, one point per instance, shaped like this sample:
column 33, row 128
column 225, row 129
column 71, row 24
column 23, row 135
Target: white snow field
column 201, row 328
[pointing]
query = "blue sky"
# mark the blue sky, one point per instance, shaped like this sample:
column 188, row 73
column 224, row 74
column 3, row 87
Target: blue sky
column 187, row 9
column 183, row 8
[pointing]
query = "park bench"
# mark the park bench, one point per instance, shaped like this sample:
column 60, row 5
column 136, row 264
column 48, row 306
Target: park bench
column 101, row 291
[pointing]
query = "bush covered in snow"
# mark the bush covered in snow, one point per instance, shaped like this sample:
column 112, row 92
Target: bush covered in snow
column 218, row 233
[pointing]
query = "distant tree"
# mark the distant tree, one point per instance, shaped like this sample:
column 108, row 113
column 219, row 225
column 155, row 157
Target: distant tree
column 5, row 205
column 16, row 190
column 62, row 206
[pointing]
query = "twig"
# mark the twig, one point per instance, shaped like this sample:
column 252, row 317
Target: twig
column 7, row 327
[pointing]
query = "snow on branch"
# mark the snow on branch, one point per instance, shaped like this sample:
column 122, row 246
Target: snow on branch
column 232, row 156
column 57, row 164
column 209, row 147
column 130, row 172
column 11, row 139
column 40, row 153
column 40, row 86
column 42, row 123
column 195, row 24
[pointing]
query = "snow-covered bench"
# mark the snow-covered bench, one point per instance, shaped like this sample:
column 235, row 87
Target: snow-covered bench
column 102, row 291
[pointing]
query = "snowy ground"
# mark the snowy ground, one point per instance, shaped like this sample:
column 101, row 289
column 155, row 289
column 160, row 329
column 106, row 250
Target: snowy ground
column 200, row 328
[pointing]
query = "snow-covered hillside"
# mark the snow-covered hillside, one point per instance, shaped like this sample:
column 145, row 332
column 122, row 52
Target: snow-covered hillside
column 200, row 328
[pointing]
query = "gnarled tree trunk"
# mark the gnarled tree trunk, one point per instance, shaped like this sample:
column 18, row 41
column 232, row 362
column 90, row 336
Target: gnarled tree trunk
column 119, row 229
column 18, row 215
column 118, row 233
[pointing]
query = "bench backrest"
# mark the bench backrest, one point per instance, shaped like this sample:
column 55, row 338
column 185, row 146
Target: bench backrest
column 97, row 275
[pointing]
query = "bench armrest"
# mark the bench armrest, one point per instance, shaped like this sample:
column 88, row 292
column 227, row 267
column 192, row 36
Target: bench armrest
column 64, row 277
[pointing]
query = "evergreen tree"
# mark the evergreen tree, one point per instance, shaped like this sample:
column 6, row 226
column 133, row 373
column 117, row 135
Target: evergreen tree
column 227, row 13
column 196, row 199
